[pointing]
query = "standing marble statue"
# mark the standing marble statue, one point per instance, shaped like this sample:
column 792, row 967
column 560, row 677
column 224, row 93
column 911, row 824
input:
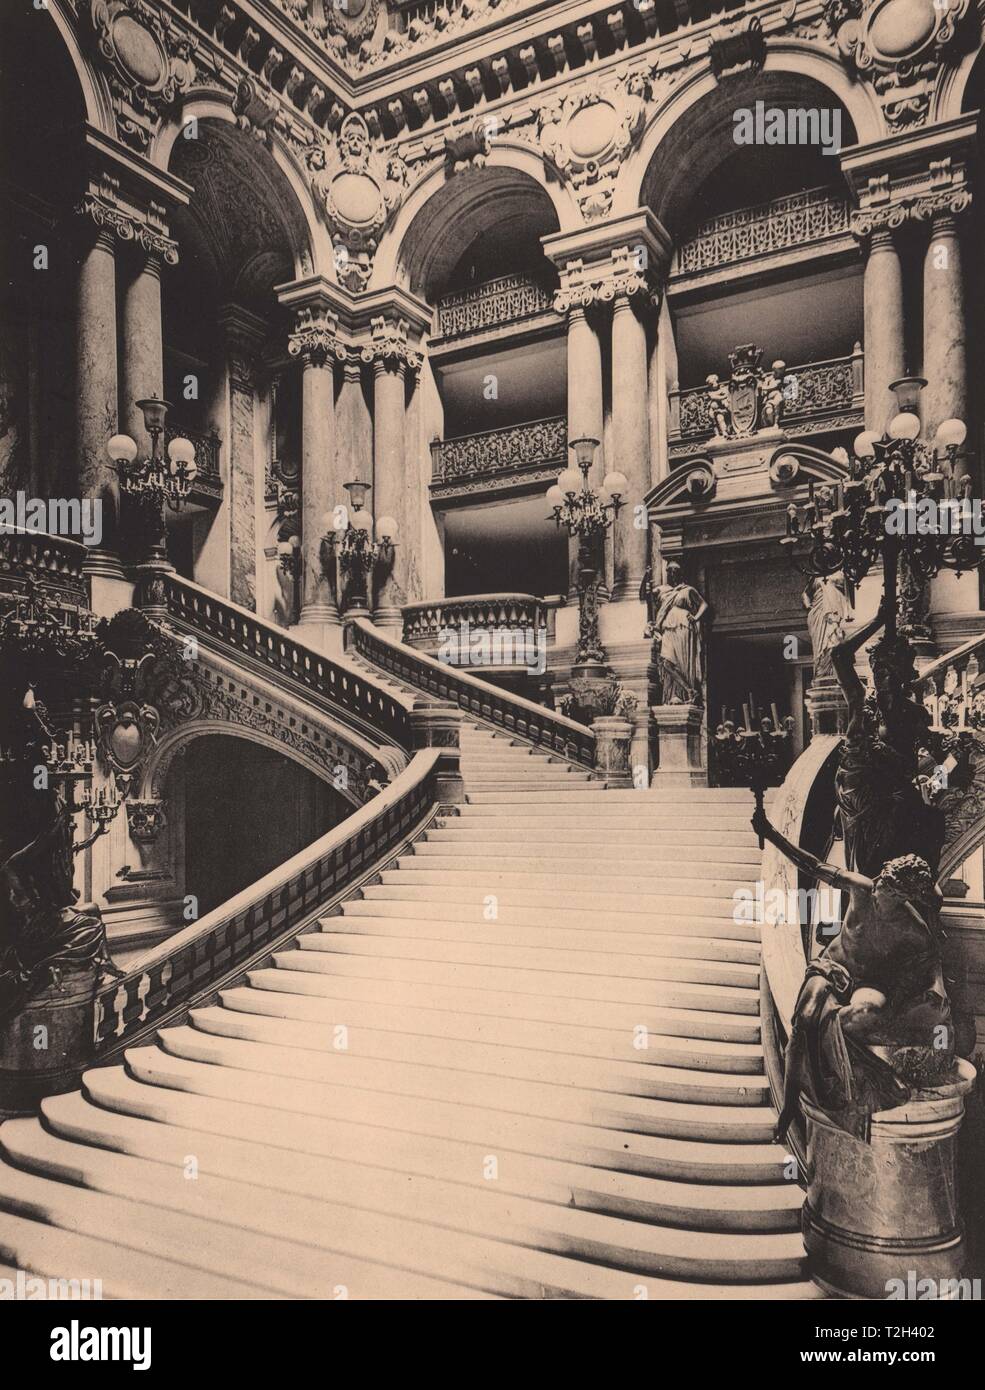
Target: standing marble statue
column 828, row 612
column 676, row 612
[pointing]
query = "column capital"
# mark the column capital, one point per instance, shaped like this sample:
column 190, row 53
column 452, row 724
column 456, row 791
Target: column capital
column 315, row 338
column 389, row 346
column 103, row 205
column 628, row 256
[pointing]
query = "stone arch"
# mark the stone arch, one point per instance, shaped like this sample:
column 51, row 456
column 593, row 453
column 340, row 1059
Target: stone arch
column 960, row 88
column 425, row 238
column 176, row 741
column 93, row 86
column 279, row 177
column 676, row 154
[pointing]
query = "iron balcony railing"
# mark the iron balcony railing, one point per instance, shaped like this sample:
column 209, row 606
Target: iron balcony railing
column 510, row 449
column 797, row 220
column 507, row 299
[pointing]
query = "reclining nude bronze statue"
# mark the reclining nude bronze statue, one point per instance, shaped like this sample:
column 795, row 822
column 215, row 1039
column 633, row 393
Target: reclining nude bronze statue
column 873, row 1020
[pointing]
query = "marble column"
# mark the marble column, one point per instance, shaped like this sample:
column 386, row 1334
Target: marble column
column 944, row 332
column 585, row 410
column 96, row 388
column 142, row 355
column 321, row 489
column 244, row 334
column 389, row 463
column 630, row 440
column 883, row 314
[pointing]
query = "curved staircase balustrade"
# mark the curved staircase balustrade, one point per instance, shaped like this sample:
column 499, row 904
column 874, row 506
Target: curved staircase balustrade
column 486, row 612
column 204, row 955
column 340, row 685
column 54, row 561
column 543, row 728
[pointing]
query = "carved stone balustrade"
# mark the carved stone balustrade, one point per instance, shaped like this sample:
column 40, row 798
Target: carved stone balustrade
column 783, row 224
column 425, row 622
column 816, row 397
column 54, row 563
column 507, row 299
column 533, row 452
column 207, row 487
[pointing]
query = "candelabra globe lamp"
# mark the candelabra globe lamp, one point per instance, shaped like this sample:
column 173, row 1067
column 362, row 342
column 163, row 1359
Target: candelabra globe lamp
column 587, row 513
column 348, row 540
column 903, row 502
column 155, row 485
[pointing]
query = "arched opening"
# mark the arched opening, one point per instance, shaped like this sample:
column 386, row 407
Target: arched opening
column 227, row 370
column 41, row 165
column 247, row 809
column 498, row 364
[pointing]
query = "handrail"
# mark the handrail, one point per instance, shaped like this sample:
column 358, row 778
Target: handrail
column 334, row 682
column 53, row 560
column 488, row 612
column 282, row 902
column 489, row 703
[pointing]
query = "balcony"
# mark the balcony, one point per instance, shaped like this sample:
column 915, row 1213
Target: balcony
column 817, row 397
column 497, row 460
column 505, row 300
column 207, row 487
column 800, row 221
column 425, row 622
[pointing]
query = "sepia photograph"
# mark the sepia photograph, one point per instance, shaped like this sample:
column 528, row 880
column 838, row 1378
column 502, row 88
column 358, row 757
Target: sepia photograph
column 492, row 665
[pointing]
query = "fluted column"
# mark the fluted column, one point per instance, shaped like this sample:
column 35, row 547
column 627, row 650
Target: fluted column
column 944, row 331
column 315, row 344
column 389, row 462
column 883, row 312
column 142, row 359
column 630, row 441
column 585, row 417
column 96, row 395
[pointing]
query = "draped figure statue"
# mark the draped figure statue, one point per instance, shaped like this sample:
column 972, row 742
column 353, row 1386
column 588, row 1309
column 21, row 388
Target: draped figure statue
column 828, row 611
column 678, row 649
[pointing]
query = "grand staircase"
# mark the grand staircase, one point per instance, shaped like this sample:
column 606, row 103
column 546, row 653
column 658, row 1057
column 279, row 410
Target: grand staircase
column 525, row 1064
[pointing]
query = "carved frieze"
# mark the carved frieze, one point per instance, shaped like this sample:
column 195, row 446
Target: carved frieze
column 149, row 61
column 586, row 135
column 898, row 46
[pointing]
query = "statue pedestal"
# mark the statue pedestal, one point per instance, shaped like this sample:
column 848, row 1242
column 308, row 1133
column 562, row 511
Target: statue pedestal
column 681, row 754
column 826, row 706
column 613, row 741
column 47, row 1046
column 887, row 1210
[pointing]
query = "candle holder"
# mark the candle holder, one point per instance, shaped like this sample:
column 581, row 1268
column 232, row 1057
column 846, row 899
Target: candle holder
column 352, row 544
column 758, row 758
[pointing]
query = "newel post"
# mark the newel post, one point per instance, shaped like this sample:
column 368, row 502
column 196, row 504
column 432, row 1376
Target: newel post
column 437, row 724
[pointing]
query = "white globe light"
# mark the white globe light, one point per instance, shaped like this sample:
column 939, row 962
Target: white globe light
column 362, row 521
column 952, row 433
column 555, row 497
column 616, row 483
column 283, row 547
column 569, row 482
column 121, row 449
column 386, row 529
column 181, row 451
column 865, row 443
column 905, row 425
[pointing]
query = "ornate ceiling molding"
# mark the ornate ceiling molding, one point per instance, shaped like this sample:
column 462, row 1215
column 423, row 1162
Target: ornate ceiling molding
column 148, row 60
column 586, row 135
column 898, row 46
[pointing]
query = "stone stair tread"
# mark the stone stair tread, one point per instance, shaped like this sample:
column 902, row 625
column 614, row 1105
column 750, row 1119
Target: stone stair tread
column 588, row 1013
column 586, row 829
column 614, row 940
column 484, row 1227
column 628, row 964
column 550, row 1180
column 46, row 1251
column 624, row 1077
column 669, row 917
column 322, row 1084
column 172, row 1099
column 416, row 872
column 743, row 865
column 677, row 982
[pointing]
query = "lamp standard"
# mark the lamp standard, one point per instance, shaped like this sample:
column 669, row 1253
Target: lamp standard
column 156, row 485
column 348, row 539
column 587, row 514
column 903, row 501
